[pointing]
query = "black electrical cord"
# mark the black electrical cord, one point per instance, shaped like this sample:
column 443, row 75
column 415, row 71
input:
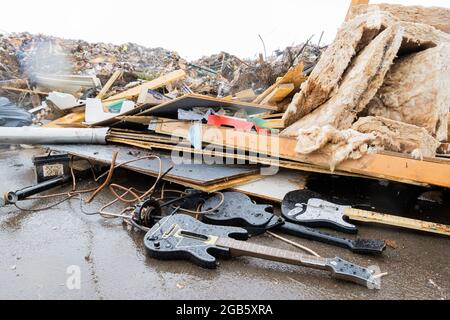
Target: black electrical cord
column 45, row 208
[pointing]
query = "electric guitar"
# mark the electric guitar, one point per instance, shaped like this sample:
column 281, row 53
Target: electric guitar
column 181, row 237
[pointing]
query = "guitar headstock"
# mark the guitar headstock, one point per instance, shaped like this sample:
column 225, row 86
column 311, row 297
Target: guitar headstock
column 181, row 237
column 348, row 271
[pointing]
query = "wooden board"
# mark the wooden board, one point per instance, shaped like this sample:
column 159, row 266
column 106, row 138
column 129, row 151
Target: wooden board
column 136, row 119
column 150, row 85
column 275, row 188
column 395, row 167
column 245, row 95
column 71, row 120
column 278, row 94
column 355, row 3
column 116, row 75
column 261, row 159
column 294, row 75
column 170, row 109
column 198, row 174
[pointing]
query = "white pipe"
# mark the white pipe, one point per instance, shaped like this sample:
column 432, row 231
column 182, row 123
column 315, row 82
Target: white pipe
column 37, row 135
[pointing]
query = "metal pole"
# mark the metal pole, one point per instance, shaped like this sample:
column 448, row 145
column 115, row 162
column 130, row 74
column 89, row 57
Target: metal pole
column 37, row 135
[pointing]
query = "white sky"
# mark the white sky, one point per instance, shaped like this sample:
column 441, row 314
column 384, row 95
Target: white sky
column 193, row 28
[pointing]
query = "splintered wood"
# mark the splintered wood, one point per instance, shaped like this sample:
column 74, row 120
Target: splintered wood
column 152, row 85
column 293, row 77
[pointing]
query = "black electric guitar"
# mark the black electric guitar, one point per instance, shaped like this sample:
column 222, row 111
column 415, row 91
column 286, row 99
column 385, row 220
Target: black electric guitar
column 238, row 210
column 183, row 237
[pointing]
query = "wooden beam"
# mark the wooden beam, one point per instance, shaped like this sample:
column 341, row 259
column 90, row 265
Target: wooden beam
column 354, row 3
column 24, row 90
column 279, row 93
column 116, row 75
column 373, row 217
column 399, row 167
column 72, row 120
column 150, row 85
column 298, row 166
column 294, row 75
column 245, row 95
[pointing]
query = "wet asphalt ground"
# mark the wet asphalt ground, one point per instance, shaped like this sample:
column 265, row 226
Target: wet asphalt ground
column 40, row 251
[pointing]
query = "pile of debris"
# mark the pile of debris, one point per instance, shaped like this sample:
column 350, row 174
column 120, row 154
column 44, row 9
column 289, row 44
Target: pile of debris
column 374, row 104
column 29, row 56
column 39, row 54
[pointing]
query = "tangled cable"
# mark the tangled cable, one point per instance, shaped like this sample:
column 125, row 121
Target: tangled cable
column 126, row 195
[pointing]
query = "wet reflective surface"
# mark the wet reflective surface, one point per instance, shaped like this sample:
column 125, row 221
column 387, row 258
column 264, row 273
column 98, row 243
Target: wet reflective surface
column 37, row 248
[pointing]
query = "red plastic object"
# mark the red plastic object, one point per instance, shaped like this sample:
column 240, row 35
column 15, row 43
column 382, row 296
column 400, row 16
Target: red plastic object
column 238, row 124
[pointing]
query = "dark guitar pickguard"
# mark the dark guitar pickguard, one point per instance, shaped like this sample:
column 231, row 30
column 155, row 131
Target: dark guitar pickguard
column 163, row 243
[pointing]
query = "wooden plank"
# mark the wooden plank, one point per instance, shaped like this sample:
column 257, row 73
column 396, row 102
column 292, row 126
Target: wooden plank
column 399, row 168
column 24, row 90
column 275, row 124
column 373, row 217
column 294, row 75
column 150, row 85
column 275, row 188
column 354, row 3
column 245, row 95
column 71, row 120
column 136, row 119
column 273, row 116
column 116, row 75
column 279, row 93
column 264, row 160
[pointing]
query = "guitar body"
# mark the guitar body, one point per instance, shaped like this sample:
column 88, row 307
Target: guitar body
column 181, row 237
column 238, row 210
column 293, row 211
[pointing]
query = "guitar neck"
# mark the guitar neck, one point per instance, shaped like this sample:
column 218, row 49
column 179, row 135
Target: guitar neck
column 241, row 248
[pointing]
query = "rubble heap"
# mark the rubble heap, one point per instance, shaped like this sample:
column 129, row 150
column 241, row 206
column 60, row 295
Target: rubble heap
column 24, row 55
